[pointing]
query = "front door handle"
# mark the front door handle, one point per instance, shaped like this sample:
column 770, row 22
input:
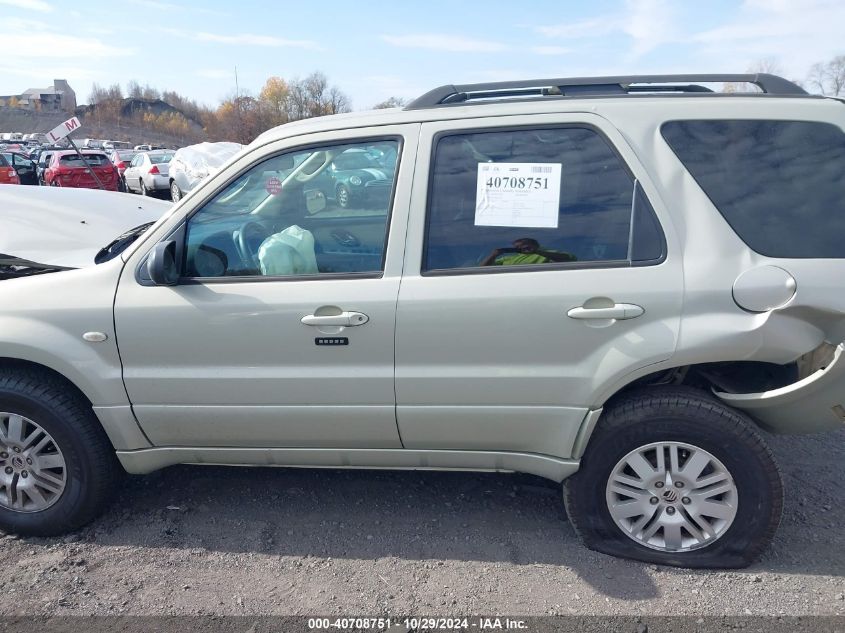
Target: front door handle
column 618, row 311
column 344, row 318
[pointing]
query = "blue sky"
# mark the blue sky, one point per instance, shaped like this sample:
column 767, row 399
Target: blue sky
column 374, row 49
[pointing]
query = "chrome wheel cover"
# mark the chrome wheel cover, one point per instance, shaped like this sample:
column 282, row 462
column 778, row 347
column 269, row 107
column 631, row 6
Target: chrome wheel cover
column 671, row 496
column 33, row 473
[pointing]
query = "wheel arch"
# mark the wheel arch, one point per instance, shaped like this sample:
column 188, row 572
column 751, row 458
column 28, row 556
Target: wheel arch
column 118, row 421
column 711, row 379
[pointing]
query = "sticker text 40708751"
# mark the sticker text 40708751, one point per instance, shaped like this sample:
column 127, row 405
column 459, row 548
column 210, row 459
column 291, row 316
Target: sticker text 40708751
column 522, row 182
column 518, row 194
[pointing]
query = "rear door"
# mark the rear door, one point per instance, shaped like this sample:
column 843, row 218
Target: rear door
column 537, row 274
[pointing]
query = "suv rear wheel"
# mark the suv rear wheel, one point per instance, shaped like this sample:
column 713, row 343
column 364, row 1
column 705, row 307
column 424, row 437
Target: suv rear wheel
column 57, row 467
column 673, row 476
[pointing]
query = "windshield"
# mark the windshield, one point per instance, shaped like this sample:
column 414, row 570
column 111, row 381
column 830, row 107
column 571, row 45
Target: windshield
column 159, row 159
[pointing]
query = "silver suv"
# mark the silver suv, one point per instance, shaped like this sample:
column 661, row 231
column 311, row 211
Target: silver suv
column 615, row 283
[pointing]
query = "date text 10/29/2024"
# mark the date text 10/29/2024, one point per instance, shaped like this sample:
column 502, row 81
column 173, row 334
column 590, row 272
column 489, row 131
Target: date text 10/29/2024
column 417, row 624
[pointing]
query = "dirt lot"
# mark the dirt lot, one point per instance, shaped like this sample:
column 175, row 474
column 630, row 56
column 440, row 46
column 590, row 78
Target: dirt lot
column 203, row 540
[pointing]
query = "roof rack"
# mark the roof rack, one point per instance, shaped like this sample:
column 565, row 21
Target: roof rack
column 584, row 86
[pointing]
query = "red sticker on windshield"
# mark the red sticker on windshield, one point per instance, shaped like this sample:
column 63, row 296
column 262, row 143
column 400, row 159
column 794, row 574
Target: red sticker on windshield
column 274, row 186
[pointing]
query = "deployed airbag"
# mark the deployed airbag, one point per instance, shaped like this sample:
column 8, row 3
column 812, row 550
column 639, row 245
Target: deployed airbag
column 288, row 252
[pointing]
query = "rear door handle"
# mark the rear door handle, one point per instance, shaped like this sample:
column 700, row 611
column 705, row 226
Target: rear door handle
column 348, row 319
column 618, row 311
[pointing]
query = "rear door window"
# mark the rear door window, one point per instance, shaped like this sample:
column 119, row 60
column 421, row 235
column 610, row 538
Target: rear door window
column 534, row 197
column 779, row 184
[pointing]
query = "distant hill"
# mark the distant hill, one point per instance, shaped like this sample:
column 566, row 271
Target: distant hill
column 101, row 121
column 132, row 107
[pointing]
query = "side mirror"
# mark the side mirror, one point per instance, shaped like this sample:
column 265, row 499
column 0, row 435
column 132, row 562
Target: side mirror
column 315, row 201
column 161, row 264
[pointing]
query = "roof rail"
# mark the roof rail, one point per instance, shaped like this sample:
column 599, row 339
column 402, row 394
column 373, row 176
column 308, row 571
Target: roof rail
column 582, row 86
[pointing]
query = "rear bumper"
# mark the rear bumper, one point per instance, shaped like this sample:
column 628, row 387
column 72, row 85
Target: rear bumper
column 815, row 403
column 158, row 183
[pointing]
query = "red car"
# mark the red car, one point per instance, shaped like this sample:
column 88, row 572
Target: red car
column 66, row 169
column 8, row 176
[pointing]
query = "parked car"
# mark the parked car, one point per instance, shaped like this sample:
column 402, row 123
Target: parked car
column 148, row 148
column 148, row 173
column 68, row 169
column 616, row 283
column 121, row 158
column 116, row 145
column 41, row 165
column 190, row 165
column 8, row 175
column 25, row 167
column 358, row 177
column 93, row 143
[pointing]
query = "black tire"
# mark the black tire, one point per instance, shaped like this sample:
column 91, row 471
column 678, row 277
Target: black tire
column 175, row 192
column 91, row 467
column 143, row 188
column 693, row 417
column 343, row 196
column 121, row 185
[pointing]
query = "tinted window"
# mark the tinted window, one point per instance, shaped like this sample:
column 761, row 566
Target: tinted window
column 779, row 184
column 74, row 160
column 557, row 195
column 293, row 215
column 3, row 162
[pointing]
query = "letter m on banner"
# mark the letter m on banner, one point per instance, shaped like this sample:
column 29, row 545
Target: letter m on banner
column 64, row 129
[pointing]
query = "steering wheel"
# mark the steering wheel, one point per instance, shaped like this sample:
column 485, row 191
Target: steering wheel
column 248, row 239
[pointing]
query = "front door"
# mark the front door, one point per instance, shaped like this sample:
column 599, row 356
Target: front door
column 280, row 331
column 537, row 275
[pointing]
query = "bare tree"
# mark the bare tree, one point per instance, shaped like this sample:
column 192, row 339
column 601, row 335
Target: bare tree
column 98, row 94
column 828, row 78
column 767, row 65
column 114, row 93
column 391, row 102
column 134, row 90
column 337, row 101
column 150, row 93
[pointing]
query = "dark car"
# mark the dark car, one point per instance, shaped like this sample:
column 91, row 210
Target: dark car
column 359, row 175
column 43, row 160
column 24, row 166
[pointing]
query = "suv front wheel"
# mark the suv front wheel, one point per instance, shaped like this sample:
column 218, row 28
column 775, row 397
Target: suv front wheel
column 675, row 477
column 57, row 467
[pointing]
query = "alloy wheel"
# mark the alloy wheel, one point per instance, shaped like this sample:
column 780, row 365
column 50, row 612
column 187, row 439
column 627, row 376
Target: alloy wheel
column 671, row 496
column 33, row 472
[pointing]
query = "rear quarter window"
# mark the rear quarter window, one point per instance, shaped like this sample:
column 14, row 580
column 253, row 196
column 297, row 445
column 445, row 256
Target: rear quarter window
column 779, row 184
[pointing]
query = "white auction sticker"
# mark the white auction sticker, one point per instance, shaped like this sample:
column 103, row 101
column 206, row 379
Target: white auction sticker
column 518, row 194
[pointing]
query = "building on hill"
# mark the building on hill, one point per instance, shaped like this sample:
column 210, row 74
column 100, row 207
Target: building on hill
column 59, row 97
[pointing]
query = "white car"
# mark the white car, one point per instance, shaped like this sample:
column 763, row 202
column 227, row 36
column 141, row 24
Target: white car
column 620, row 284
column 192, row 164
column 148, row 173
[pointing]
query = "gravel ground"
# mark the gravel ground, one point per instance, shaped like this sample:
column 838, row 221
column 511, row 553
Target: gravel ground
column 229, row 541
